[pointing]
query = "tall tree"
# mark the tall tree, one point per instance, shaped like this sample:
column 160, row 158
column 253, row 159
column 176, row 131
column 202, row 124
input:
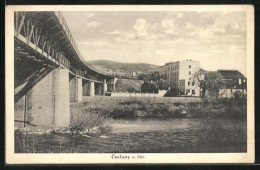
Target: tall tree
column 199, row 79
column 208, row 81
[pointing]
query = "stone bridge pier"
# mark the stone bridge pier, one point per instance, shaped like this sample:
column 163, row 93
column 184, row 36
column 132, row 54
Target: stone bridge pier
column 88, row 88
column 75, row 89
column 47, row 104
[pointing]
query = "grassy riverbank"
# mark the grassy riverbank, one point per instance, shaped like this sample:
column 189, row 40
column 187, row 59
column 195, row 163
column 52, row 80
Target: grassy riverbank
column 93, row 111
column 220, row 124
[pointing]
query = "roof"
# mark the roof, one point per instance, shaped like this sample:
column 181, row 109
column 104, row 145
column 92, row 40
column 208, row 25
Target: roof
column 229, row 84
column 231, row 74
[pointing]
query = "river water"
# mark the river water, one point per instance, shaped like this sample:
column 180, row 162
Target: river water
column 183, row 135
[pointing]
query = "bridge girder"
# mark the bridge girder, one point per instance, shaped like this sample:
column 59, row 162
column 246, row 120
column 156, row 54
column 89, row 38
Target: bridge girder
column 48, row 31
column 44, row 38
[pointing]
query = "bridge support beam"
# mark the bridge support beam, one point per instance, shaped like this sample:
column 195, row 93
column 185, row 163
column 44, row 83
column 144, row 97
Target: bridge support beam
column 75, row 89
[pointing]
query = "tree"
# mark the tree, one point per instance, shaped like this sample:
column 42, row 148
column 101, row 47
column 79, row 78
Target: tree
column 208, row 81
column 143, row 76
column 214, row 81
column 131, row 90
column 199, row 79
column 148, row 87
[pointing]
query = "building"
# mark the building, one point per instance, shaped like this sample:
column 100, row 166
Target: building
column 178, row 76
column 233, row 81
column 134, row 74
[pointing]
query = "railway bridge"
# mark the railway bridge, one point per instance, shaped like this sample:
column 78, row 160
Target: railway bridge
column 49, row 71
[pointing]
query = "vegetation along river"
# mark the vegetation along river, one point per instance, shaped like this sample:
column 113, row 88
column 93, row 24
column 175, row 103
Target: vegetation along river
column 160, row 135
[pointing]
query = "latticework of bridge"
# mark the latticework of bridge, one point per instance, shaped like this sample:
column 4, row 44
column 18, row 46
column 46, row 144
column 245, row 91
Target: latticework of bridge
column 43, row 42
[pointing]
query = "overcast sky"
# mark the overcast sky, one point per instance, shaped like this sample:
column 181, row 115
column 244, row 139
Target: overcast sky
column 216, row 39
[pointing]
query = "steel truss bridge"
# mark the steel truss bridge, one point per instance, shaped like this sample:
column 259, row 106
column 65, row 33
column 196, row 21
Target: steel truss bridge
column 43, row 42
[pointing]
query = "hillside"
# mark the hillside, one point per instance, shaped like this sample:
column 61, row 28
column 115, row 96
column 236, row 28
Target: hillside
column 124, row 85
column 119, row 68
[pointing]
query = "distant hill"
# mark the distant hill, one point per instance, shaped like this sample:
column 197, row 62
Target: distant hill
column 122, row 68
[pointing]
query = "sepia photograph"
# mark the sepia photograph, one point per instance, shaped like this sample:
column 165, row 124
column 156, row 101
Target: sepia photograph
column 130, row 84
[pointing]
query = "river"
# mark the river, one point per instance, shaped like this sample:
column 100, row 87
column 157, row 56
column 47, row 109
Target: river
column 183, row 135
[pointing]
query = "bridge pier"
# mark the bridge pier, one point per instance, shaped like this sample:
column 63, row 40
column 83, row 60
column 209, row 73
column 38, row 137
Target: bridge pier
column 75, row 89
column 92, row 89
column 46, row 105
column 85, row 88
column 61, row 98
column 114, row 84
column 104, row 87
column 88, row 88
column 98, row 88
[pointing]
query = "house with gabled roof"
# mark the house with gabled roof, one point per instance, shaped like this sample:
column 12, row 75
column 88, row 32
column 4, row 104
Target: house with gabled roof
column 233, row 81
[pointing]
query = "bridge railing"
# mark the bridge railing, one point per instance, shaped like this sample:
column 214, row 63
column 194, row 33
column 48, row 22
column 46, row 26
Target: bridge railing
column 67, row 31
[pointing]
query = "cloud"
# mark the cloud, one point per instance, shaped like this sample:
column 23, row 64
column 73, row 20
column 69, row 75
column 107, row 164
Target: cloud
column 93, row 24
column 94, row 43
column 90, row 15
column 141, row 27
column 118, row 39
column 180, row 15
column 168, row 25
column 165, row 52
column 112, row 32
column 216, row 51
column 236, row 49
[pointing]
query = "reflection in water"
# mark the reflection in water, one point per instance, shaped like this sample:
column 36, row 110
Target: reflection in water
column 141, row 125
column 144, row 136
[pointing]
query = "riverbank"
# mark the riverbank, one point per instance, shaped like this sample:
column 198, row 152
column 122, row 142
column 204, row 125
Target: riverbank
column 107, row 120
column 93, row 111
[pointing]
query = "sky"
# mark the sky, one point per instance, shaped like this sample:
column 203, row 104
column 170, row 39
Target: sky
column 216, row 39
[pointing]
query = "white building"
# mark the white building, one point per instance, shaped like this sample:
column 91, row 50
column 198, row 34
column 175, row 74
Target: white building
column 179, row 76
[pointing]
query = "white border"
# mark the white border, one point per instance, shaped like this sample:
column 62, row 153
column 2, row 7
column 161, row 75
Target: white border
column 89, row 158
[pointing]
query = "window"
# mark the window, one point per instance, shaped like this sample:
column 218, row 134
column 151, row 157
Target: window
column 188, row 83
column 189, row 66
column 177, row 72
column 193, row 91
column 189, row 72
column 193, row 83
